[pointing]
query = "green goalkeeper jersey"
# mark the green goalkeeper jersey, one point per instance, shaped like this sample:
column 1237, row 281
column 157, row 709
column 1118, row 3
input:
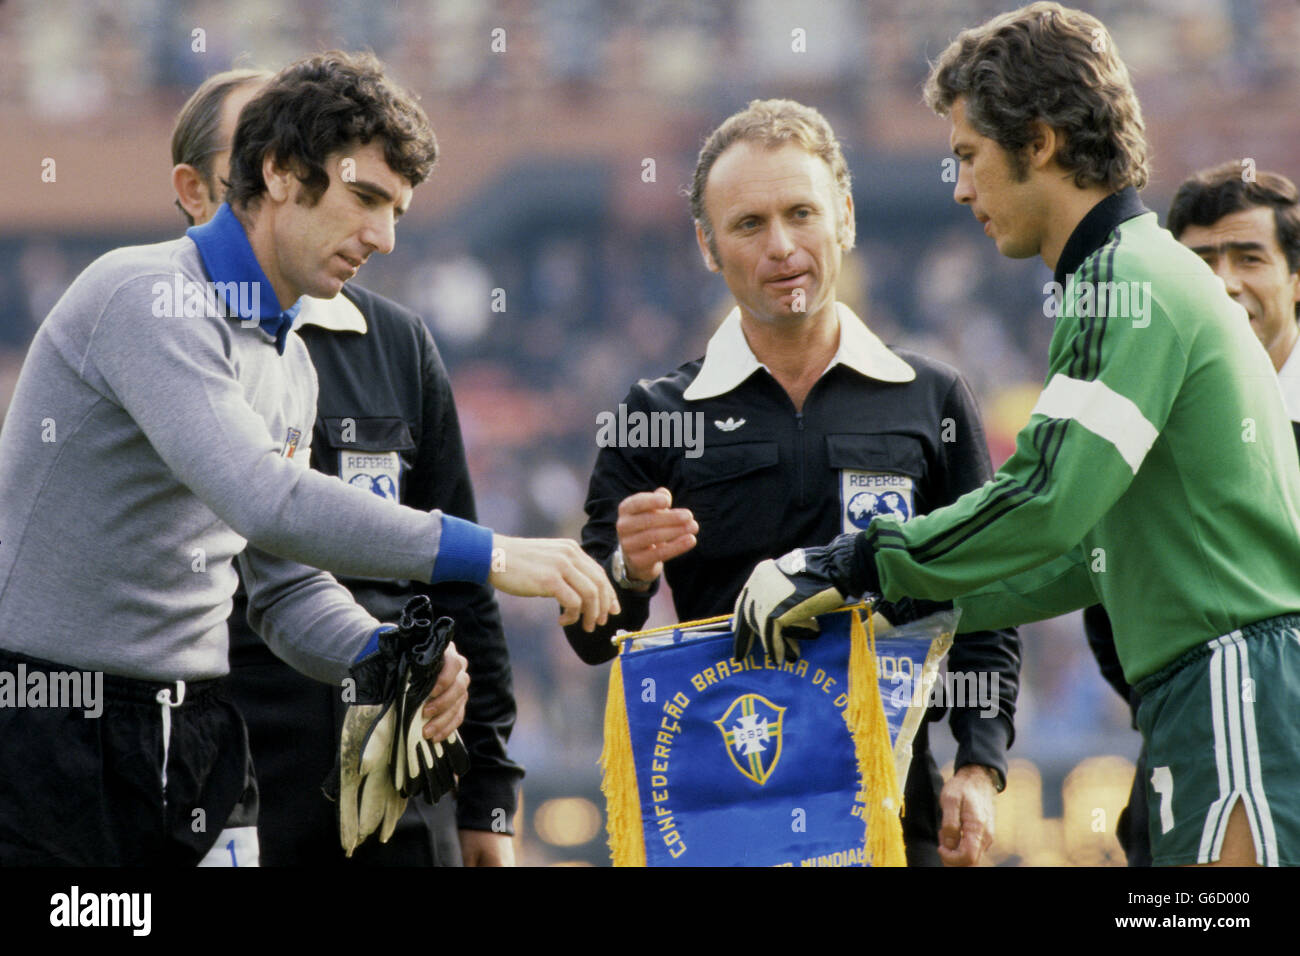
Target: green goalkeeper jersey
column 1157, row 473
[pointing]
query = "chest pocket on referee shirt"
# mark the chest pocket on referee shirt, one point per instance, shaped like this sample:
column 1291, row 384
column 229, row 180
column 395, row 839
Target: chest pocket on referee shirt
column 730, row 489
column 368, row 452
column 877, row 476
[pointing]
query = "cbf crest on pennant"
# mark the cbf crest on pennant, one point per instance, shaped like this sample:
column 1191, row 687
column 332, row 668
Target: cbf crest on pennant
column 751, row 729
column 865, row 495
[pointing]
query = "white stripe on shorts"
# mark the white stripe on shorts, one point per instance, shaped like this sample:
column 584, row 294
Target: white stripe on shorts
column 1236, row 754
column 1265, row 848
column 1232, row 696
column 1220, row 754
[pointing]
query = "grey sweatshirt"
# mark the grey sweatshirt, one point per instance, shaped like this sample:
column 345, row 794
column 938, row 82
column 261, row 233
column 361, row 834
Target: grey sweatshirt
column 143, row 452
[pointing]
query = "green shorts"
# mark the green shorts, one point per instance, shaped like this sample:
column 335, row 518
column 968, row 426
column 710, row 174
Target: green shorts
column 1222, row 724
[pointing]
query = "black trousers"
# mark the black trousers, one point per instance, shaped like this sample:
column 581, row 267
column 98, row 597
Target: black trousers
column 97, row 791
column 921, row 803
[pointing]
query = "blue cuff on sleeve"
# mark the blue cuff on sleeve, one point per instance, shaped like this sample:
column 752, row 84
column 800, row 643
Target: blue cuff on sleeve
column 372, row 645
column 464, row 552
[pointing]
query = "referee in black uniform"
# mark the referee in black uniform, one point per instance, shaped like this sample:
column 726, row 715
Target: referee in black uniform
column 797, row 425
column 386, row 421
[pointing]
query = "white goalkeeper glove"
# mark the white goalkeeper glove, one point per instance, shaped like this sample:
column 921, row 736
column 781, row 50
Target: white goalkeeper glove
column 782, row 598
column 368, row 800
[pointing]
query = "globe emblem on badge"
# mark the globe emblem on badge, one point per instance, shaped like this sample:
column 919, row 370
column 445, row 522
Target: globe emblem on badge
column 866, row 505
column 381, row 485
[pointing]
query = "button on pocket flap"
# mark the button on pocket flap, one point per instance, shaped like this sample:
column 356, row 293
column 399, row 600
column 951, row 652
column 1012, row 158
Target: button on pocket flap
column 725, row 462
column 898, row 454
column 369, row 434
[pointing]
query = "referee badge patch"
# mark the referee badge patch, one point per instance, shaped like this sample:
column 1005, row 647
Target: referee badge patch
column 867, row 494
column 376, row 471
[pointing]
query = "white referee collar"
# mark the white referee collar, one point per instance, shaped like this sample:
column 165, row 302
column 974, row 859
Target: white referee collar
column 728, row 359
column 333, row 315
column 1289, row 378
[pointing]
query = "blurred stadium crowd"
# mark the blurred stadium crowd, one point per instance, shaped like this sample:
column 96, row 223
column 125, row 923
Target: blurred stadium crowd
column 554, row 281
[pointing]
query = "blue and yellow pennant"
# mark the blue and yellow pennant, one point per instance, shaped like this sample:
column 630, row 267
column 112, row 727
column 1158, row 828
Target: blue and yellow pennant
column 813, row 756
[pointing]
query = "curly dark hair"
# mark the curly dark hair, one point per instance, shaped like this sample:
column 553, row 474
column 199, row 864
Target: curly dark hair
column 318, row 106
column 1207, row 196
column 1050, row 63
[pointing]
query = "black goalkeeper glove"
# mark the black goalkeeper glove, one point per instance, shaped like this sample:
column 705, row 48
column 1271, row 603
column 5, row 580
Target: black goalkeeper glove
column 424, row 767
column 781, row 599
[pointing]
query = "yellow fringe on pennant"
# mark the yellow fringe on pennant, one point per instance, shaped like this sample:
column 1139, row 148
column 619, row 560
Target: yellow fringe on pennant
column 618, row 780
column 865, row 716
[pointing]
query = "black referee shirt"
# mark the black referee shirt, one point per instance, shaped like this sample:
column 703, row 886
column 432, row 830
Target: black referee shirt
column 386, row 421
column 768, row 479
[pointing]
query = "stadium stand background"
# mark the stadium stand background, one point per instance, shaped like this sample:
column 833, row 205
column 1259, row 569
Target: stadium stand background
column 541, row 192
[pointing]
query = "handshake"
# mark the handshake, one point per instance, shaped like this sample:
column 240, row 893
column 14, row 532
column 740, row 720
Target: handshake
column 384, row 758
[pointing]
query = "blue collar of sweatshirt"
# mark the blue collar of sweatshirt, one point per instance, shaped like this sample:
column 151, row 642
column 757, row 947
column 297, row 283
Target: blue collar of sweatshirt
column 228, row 259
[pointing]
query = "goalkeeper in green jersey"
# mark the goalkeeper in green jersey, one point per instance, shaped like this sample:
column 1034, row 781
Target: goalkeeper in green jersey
column 1155, row 475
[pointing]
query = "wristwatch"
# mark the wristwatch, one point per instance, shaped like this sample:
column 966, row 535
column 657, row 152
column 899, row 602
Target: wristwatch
column 995, row 775
column 618, row 571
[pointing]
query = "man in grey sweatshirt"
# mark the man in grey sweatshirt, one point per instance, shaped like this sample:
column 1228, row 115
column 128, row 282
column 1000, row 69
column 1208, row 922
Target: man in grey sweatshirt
column 159, row 431
column 386, row 419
